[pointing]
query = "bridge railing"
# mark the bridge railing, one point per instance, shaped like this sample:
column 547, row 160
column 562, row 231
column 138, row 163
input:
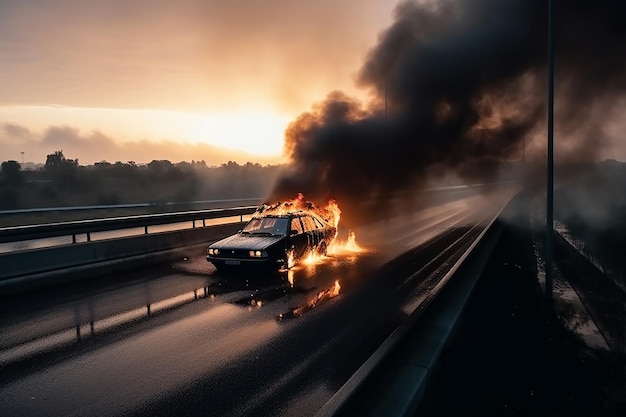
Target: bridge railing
column 86, row 227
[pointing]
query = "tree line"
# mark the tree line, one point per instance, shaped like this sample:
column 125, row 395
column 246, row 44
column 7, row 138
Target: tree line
column 64, row 182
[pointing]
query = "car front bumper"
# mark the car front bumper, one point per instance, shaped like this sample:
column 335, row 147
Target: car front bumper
column 245, row 262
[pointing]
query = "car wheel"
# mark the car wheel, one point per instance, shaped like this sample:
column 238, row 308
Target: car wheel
column 322, row 249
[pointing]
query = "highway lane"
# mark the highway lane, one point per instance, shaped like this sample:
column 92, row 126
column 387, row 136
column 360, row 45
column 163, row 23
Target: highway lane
column 277, row 345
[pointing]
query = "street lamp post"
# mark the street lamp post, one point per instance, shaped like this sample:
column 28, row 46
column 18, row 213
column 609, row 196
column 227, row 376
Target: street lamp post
column 550, row 178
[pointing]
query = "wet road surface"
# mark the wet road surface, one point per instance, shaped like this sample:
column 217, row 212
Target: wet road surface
column 187, row 340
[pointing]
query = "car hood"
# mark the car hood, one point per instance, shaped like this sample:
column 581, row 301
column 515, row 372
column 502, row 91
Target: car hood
column 241, row 241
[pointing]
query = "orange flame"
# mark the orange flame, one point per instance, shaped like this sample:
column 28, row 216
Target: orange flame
column 290, row 259
column 313, row 258
column 351, row 243
column 331, row 213
column 349, row 246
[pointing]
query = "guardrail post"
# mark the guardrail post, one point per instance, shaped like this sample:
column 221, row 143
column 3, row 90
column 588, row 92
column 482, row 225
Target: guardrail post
column 88, row 237
column 73, row 238
column 203, row 223
column 193, row 224
column 145, row 229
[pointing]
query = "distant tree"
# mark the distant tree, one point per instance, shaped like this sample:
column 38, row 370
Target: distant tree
column 159, row 167
column 62, row 169
column 231, row 165
column 185, row 167
column 122, row 170
column 54, row 160
column 102, row 164
column 11, row 171
column 164, row 169
column 199, row 164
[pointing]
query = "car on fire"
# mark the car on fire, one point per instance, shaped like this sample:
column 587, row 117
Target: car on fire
column 274, row 241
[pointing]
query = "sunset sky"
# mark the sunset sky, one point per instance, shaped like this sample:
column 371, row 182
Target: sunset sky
column 209, row 80
column 139, row 80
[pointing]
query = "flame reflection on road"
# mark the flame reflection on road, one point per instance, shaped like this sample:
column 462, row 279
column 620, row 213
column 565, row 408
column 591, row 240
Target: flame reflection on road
column 320, row 298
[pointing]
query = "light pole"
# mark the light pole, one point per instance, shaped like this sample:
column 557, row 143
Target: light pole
column 22, row 157
column 550, row 178
column 385, row 97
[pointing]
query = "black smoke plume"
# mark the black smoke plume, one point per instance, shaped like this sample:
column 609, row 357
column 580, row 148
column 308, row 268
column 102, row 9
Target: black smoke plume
column 459, row 86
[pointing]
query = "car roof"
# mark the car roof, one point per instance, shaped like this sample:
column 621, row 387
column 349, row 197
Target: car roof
column 274, row 215
column 298, row 213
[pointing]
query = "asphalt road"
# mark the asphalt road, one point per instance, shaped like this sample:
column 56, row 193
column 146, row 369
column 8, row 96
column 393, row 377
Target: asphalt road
column 186, row 340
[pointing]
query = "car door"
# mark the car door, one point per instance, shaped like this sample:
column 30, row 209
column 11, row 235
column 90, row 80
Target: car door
column 313, row 235
column 298, row 238
column 322, row 230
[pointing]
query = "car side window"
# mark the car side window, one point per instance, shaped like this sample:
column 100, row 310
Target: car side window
column 318, row 223
column 309, row 225
column 296, row 225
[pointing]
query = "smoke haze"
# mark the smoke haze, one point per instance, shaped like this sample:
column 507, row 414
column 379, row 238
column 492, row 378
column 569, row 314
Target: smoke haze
column 460, row 86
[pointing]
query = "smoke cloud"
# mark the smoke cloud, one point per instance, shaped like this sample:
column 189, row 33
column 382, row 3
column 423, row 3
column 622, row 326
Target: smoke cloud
column 460, row 86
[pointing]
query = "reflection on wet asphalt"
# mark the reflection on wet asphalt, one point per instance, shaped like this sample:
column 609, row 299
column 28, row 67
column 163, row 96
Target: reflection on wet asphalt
column 220, row 321
column 251, row 344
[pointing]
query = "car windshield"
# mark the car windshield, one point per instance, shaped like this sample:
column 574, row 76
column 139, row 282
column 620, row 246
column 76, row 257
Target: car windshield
column 267, row 225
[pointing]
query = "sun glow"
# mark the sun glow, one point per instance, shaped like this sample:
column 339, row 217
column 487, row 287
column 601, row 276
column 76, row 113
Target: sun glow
column 251, row 131
column 256, row 133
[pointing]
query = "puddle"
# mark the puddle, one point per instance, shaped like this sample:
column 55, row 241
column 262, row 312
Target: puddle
column 264, row 295
column 321, row 298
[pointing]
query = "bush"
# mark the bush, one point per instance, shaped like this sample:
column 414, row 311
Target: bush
column 9, row 198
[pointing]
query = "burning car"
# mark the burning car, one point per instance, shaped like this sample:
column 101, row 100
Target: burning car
column 276, row 237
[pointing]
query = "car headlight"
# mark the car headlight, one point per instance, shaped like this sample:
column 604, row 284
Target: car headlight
column 213, row 251
column 257, row 254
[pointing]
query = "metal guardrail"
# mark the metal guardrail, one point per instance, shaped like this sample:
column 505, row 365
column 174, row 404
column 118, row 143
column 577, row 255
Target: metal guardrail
column 255, row 200
column 73, row 228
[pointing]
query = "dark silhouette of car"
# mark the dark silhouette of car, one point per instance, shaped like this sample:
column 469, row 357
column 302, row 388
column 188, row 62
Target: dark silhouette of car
column 273, row 241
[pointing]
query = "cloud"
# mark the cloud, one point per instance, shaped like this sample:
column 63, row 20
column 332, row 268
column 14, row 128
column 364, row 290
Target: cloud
column 90, row 147
column 196, row 54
